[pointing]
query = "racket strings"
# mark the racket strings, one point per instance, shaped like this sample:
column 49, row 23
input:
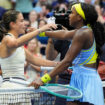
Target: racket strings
column 63, row 90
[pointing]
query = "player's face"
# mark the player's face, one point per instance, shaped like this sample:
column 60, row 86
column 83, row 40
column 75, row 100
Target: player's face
column 73, row 17
column 20, row 24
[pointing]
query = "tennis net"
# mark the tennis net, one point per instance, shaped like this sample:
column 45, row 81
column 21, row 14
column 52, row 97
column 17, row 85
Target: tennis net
column 25, row 95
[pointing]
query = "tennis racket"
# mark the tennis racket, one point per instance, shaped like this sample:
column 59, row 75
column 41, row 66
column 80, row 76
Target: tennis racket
column 56, row 89
column 62, row 91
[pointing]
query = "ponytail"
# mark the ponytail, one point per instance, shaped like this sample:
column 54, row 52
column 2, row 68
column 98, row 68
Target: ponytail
column 98, row 29
column 99, row 33
column 2, row 30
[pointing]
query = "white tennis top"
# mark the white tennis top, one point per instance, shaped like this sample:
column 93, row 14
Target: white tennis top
column 13, row 66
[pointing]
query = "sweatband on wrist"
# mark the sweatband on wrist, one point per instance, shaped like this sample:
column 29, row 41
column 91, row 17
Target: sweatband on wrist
column 46, row 78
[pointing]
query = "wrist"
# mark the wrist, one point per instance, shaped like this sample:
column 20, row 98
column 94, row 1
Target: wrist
column 39, row 31
column 46, row 78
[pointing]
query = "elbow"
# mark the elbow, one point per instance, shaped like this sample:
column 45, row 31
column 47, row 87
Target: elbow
column 16, row 44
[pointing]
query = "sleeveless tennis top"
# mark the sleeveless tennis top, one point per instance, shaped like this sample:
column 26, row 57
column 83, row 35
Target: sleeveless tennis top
column 13, row 66
column 87, row 56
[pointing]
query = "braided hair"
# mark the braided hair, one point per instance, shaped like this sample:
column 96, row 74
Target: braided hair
column 98, row 29
column 9, row 16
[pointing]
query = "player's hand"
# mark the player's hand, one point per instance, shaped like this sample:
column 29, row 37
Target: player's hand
column 36, row 84
column 48, row 27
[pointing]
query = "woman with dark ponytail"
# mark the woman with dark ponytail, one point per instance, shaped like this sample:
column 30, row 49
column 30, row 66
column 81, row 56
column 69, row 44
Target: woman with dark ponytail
column 83, row 54
column 13, row 55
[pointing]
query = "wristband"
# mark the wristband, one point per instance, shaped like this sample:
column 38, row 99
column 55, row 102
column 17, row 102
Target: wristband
column 46, row 78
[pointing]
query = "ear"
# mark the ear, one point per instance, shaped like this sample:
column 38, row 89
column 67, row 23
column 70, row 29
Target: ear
column 79, row 17
column 12, row 25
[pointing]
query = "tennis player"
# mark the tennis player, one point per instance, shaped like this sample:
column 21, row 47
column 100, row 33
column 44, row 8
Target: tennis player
column 83, row 55
column 12, row 54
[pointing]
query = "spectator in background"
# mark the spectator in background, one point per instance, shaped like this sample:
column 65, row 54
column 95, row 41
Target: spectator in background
column 45, row 10
column 56, row 3
column 38, row 7
column 2, row 11
column 34, row 2
column 7, row 4
column 34, row 48
column 63, row 6
column 42, row 37
column 101, row 67
column 100, row 16
column 89, row 1
column 41, row 2
column 24, row 6
column 102, row 3
column 33, row 19
column 32, row 72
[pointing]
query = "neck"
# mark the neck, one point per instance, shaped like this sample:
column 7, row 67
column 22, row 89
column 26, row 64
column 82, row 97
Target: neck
column 13, row 33
column 79, row 25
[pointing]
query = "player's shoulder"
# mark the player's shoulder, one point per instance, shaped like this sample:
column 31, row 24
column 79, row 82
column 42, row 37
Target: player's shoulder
column 83, row 32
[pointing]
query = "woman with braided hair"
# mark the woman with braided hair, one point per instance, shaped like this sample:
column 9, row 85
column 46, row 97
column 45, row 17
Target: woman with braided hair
column 83, row 54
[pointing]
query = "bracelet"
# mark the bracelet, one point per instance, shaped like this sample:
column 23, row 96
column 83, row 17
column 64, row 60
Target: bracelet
column 46, row 78
column 39, row 31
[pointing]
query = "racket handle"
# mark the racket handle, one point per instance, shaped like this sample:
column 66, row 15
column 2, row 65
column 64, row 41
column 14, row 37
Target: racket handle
column 46, row 68
column 43, row 68
column 19, row 81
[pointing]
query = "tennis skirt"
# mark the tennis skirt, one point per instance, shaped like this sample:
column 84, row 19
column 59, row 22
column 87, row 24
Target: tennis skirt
column 88, row 81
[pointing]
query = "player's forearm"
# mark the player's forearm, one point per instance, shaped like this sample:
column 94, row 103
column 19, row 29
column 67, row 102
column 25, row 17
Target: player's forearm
column 59, row 68
column 36, row 68
column 41, row 62
column 61, row 34
column 23, row 39
column 51, row 53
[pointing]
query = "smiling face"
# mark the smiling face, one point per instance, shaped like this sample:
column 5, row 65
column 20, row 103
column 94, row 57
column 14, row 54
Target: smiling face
column 32, row 45
column 33, row 16
column 19, row 25
column 42, row 23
